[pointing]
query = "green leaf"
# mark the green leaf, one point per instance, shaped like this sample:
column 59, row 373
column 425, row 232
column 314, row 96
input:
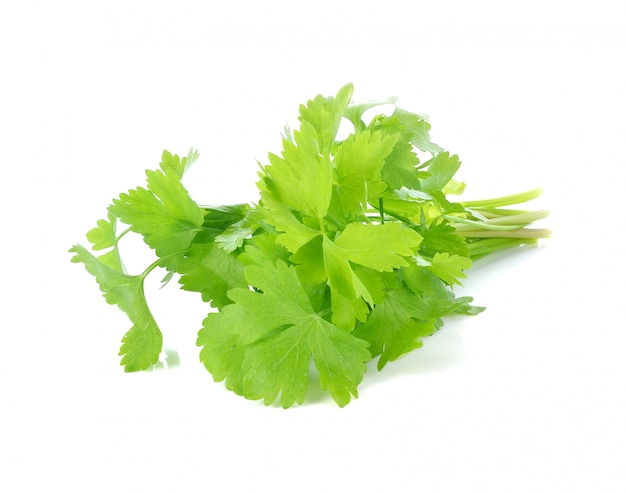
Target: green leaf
column 112, row 259
column 234, row 235
column 400, row 169
column 400, row 166
column 324, row 116
column 371, row 284
column 434, row 298
column 347, row 306
column 454, row 187
column 354, row 112
column 262, row 344
column 441, row 237
column 302, row 178
column 164, row 214
column 262, row 248
column 209, row 270
column 218, row 219
column 382, row 247
column 449, row 268
column 394, row 328
column 178, row 166
column 309, row 262
column 278, row 364
column 103, row 235
column 410, row 211
column 358, row 162
column 419, row 128
column 294, row 233
column 142, row 344
column 441, row 168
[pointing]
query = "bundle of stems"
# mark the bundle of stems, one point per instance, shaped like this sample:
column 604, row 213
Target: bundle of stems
column 489, row 225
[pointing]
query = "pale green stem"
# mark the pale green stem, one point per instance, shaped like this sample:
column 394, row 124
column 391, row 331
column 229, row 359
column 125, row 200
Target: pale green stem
column 517, row 198
column 515, row 233
column 483, row 247
column 521, row 218
column 158, row 261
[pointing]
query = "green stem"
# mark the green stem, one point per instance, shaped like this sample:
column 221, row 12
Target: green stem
column 321, row 224
column 516, row 233
column 520, row 218
column 492, row 212
column 517, row 198
column 500, row 223
column 479, row 225
column 120, row 236
column 158, row 261
column 483, row 247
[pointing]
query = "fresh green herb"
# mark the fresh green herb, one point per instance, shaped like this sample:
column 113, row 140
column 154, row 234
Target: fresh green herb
column 351, row 253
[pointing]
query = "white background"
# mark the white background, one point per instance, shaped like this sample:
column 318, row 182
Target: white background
column 528, row 396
